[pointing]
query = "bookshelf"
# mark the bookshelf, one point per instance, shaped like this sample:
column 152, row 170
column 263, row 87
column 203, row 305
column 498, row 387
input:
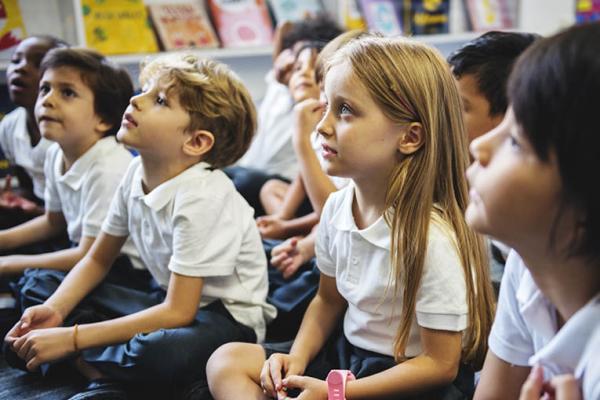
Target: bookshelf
column 60, row 18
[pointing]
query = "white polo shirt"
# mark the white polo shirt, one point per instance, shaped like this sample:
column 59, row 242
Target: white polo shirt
column 16, row 144
column 196, row 224
column 271, row 150
column 84, row 193
column 360, row 262
column 588, row 370
column 525, row 330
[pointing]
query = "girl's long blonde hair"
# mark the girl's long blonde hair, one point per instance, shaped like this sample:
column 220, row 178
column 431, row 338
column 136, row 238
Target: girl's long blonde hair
column 411, row 82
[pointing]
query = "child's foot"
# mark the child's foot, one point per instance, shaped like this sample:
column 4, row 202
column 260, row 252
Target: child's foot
column 104, row 388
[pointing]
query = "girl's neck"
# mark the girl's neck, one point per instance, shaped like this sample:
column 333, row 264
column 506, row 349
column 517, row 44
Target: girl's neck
column 32, row 128
column 569, row 283
column 369, row 201
column 157, row 171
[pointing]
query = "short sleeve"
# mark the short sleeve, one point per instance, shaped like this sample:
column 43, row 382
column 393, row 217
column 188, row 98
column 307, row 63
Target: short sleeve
column 98, row 188
column 442, row 296
column 207, row 236
column 5, row 146
column 117, row 217
column 325, row 261
column 510, row 339
column 51, row 197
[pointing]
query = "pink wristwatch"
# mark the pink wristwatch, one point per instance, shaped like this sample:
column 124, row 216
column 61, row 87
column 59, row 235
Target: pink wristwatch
column 336, row 383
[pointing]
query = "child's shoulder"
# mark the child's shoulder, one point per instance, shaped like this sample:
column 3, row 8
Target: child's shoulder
column 11, row 120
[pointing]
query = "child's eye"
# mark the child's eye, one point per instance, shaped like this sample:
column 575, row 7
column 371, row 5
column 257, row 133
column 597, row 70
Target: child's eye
column 44, row 88
column 514, row 143
column 345, row 109
column 68, row 93
column 15, row 60
column 161, row 101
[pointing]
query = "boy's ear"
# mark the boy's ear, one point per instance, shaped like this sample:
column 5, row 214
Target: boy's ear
column 103, row 127
column 198, row 143
column 411, row 139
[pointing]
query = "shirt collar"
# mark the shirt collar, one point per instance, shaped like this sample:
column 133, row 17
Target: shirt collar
column 377, row 233
column 164, row 193
column 74, row 177
column 566, row 348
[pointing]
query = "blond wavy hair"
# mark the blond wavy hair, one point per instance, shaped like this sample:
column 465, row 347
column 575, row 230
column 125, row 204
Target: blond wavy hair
column 411, row 82
column 215, row 98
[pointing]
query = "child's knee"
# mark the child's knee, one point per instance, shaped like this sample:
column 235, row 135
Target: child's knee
column 233, row 359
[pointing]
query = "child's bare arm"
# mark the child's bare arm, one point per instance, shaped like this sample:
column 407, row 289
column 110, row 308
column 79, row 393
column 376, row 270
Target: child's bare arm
column 62, row 260
column 38, row 229
column 293, row 198
column 499, row 379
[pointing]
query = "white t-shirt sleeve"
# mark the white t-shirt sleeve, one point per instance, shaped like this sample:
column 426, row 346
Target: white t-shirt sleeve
column 325, row 261
column 206, row 238
column 98, row 190
column 442, row 296
column 116, row 221
column 510, row 339
column 5, row 139
column 52, row 200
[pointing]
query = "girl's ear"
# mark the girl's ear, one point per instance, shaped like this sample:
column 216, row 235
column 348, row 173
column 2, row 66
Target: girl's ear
column 199, row 143
column 411, row 139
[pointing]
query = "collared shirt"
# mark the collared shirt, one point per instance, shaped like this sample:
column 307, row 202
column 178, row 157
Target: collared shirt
column 588, row 369
column 271, row 150
column 16, row 144
column 525, row 330
column 360, row 262
column 83, row 193
column 196, row 224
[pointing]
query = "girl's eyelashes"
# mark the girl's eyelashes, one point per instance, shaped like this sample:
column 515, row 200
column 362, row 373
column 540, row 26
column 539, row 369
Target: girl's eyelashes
column 161, row 100
column 345, row 109
column 44, row 88
column 67, row 92
column 514, row 142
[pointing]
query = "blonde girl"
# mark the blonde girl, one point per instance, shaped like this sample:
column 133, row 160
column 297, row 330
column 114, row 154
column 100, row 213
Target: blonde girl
column 397, row 261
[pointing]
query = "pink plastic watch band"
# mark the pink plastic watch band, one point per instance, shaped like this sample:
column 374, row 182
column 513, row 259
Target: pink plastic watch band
column 336, row 383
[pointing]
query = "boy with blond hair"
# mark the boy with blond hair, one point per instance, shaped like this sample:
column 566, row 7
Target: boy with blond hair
column 194, row 233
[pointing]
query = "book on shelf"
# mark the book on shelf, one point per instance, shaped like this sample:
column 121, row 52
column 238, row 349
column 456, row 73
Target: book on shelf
column 485, row 15
column 242, row 22
column 424, row 17
column 383, row 16
column 117, row 27
column 182, row 25
column 12, row 29
column 587, row 11
column 350, row 16
column 294, row 10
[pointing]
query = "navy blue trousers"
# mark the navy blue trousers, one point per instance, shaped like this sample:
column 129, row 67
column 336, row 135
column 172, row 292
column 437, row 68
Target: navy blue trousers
column 167, row 356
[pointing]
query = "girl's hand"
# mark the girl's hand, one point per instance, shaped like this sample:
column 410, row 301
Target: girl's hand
column 562, row 387
column 271, row 227
column 43, row 345
column 37, row 317
column 288, row 256
column 312, row 388
column 307, row 114
column 275, row 369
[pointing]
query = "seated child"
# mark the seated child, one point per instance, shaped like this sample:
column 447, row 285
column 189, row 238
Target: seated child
column 481, row 68
column 530, row 188
column 80, row 103
column 271, row 153
column 398, row 263
column 20, row 139
column 192, row 229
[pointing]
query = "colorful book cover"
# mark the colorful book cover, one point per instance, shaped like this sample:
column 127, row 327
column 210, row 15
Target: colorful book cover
column 182, row 25
column 350, row 15
column 587, row 11
column 383, row 16
column 487, row 15
column 294, row 10
column 426, row 16
column 242, row 22
column 12, row 29
column 117, row 26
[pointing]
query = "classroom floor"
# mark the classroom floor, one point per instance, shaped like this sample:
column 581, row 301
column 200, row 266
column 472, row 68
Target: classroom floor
column 16, row 384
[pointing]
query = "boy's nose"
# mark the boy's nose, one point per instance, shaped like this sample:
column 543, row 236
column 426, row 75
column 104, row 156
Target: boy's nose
column 324, row 126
